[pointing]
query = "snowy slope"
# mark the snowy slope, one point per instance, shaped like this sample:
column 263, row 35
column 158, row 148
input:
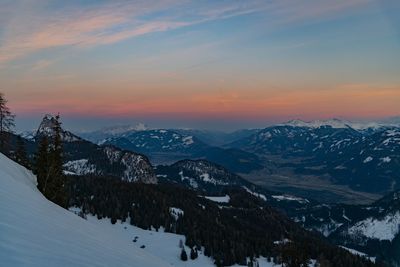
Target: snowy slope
column 164, row 245
column 36, row 232
column 382, row 229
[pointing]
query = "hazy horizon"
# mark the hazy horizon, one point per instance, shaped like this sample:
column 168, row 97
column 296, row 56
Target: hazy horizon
column 80, row 125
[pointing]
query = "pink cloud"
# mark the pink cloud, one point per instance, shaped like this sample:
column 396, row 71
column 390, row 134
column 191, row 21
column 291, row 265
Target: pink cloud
column 35, row 29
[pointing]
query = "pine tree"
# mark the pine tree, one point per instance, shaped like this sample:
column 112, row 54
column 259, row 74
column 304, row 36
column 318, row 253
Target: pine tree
column 20, row 154
column 193, row 254
column 57, row 187
column 49, row 167
column 6, row 122
column 41, row 168
column 184, row 256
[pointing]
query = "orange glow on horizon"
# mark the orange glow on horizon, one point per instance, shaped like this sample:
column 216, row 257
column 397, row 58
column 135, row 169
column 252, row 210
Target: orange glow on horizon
column 348, row 100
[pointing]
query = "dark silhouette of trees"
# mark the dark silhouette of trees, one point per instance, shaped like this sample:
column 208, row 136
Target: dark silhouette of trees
column 21, row 155
column 57, row 182
column 184, row 256
column 193, row 254
column 6, row 123
column 49, row 166
column 245, row 228
column 42, row 162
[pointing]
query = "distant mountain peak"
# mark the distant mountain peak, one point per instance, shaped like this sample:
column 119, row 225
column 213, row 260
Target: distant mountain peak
column 334, row 123
column 121, row 129
column 46, row 128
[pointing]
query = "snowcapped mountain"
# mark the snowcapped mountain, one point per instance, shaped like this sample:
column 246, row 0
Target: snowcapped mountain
column 28, row 135
column 57, row 237
column 213, row 138
column 384, row 228
column 201, row 175
column 217, row 138
column 46, row 128
column 391, row 121
column 85, row 158
column 334, row 123
column 382, row 222
column 168, row 146
column 36, row 232
column 113, row 131
column 212, row 179
column 356, row 227
column 155, row 141
column 375, row 230
column 206, row 220
column 364, row 162
column 338, row 123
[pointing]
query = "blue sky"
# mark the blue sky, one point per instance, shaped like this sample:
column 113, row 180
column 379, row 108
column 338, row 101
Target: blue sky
column 218, row 64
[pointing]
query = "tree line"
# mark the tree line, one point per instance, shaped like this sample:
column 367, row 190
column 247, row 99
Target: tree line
column 49, row 166
column 7, row 124
column 47, row 163
column 245, row 228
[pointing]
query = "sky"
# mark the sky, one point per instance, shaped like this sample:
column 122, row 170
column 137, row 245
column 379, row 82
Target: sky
column 199, row 64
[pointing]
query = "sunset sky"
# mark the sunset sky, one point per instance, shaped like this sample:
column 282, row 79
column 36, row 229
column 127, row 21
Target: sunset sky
column 204, row 64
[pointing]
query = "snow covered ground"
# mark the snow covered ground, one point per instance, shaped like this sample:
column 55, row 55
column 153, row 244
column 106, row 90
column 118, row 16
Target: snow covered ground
column 163, row 245
column 223, row 199
column 79, row 167
column 263, row 197
column 36, row 232
column 290, row 198
column 382, row 229
column 358, row 253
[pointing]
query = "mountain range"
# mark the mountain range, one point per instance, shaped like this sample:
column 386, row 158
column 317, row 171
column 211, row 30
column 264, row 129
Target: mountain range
column 329, row 160
column 342, row 155
column 92, row 234
column 83, row 157
column 168, row 146
column 342, row 161
column 372, row 229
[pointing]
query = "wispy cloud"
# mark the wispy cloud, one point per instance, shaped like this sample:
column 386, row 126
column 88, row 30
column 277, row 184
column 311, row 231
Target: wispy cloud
column 41, row 64
column 79, row 27
column 34, row 27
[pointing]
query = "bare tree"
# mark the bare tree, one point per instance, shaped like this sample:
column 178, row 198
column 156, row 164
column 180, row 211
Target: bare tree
column 6, row 121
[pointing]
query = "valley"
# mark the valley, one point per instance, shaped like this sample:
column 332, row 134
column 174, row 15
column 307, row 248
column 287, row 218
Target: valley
column 308, row 186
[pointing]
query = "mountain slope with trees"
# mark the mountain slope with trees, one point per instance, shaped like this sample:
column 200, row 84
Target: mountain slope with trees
column 6, row 124
column 337, row 159
column 35, row 232
column 229, row 233
column 83, row 157
column 168, row 146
